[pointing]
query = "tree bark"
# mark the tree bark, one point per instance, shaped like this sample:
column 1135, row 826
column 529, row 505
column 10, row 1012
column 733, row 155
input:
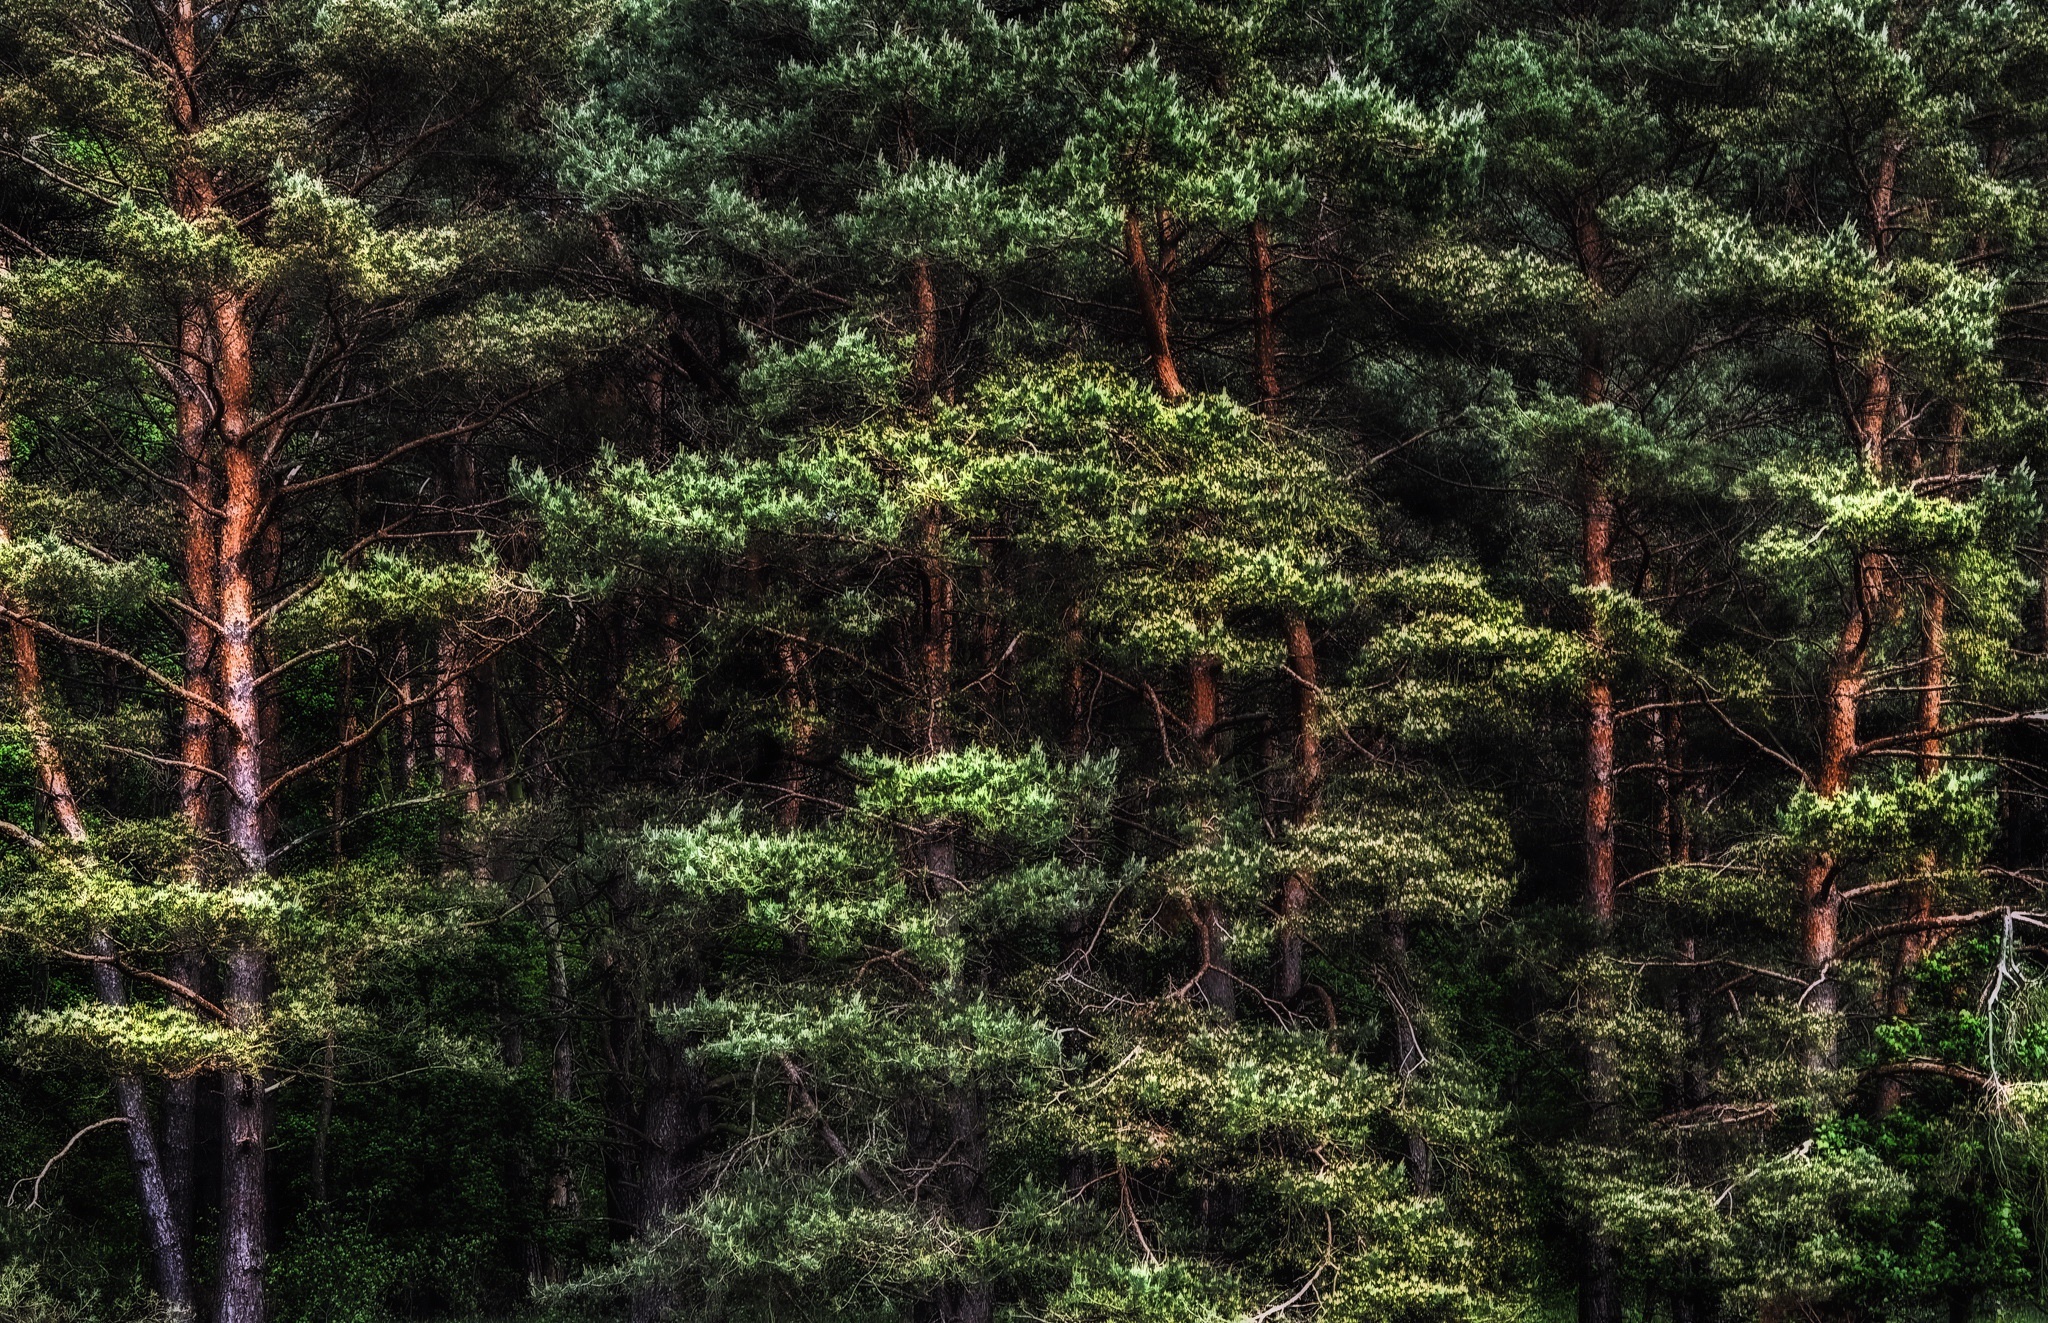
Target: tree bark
column 1599, row 1291
column 934, row 629
column 1842, row 689
column 1919, row 906
column 1153, row 293
column 244, row 1211
column 1408, row 1057
column 181, row 1121
column 1215, row 977
column 561, row 1199
column 924, row 354
column 324, row 1124
column 1076, row 682
column 1295, row 887
column 1265, row 332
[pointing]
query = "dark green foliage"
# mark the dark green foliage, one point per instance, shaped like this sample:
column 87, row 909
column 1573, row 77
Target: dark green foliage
column 953, row 662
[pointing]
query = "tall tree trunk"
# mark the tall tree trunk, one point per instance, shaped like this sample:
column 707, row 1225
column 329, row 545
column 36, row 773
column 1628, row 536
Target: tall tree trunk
column 1599, row 1291
column 181, row 1119
column 1153, row 293
column 404, row 735
column 561, row 1199
column 324, row 1124
column 1265, row 333
column 1842, row 689
column 1076, row 638
column 1597, row 566
column 934, row 629
column 1919, row 907
column 924, row 354
column 454, row 737
column 802, row 739
column 1215, row 977
column 671, row 1125
column 239, row 570
column 1399, row 975
column 1295, row 887
column 950, row 1132
column 620, row 1039
column 1845, row 680
column 343, row 803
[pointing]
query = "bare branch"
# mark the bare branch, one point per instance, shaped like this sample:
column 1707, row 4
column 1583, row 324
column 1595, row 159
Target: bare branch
column 35, row 1183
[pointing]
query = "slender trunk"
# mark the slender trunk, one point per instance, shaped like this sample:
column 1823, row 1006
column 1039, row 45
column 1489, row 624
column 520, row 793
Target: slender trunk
column 672, row 659
column 1295, row 888
column 159, row 1215
column 1152, row 306
column 198, row 733
column 1215, row 977
column 341, row 805
column 1265, row 334
column 620, row 1040
column 243, row 1208
column 404, row 736
column 1077, row 681
column 1845, row 680
column 455, row 741
column 486, row 735
column 562, row 1200
column 181, row 1120
column 240, row 570
column 934, row 633
column 1600, row 889
column 1842, row 690
column 224, row 565
column 1398, row 974
column 802, row 738
column 1599, row 1291
column 1919, row 905
column 159, row 1219
column 951, row 1134
column 1597, row 566
column 325, row 1123
column 924, row 354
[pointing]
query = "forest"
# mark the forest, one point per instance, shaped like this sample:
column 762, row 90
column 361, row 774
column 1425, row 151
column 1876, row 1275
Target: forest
column 1023, row 661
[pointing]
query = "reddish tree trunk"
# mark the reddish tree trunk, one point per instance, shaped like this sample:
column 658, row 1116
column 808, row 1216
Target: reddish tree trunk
column 934, row 633
column 1265, row 334
column 239, row 572
column 1599, row 806
column 796, row 762
column 1597, row 566
column 924, row 354
column 454, row 737
column 1215, row 978
column 1919, row 907
column 1153, row 306
column 1599, row 1292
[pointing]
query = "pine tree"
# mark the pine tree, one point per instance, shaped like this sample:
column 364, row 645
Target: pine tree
column 248, row 289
